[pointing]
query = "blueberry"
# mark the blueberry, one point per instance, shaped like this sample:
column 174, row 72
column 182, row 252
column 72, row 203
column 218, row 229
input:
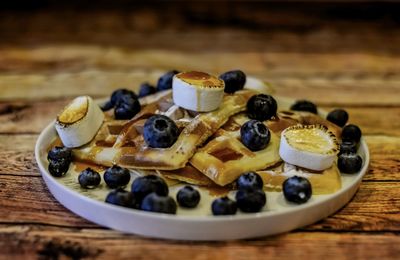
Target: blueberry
column 234, row 80
column 122, row 198
column 146, row 89
column 117, row 177
column 126, row 108
column 250, row 200
column 338, row 117
column 117, row 95
column 59, row 160
column 142, row 186
column 349, row 163
column 106, row 106
column 165, row 81
column 348, row 147
column 261, row 107
column 160, row 131
column 223, row 206
column 89, row 178
column 249, row 181
column 58, row 153
column 297, row 189
column 255, row 135
column 188, row 197
column 351, row 133
column 58, row 168
column 157, row 203
column 304, row 105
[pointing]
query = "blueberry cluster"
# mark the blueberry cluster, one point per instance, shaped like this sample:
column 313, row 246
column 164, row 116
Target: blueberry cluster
column 150, row 193
column 349, row 161
column 59, row 160
column 254, row 134
column 146, row 89
column 250, row 196
column 165, row 81
column 126, row 108
column 115, row 177
column 126, row 103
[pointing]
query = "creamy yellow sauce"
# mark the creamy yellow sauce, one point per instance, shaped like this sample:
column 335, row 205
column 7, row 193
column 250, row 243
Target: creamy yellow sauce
column 75, row 111
column 201, row 79
column 309, row 139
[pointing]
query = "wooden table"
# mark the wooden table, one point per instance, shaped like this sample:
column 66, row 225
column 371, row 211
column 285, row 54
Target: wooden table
column 47, row 58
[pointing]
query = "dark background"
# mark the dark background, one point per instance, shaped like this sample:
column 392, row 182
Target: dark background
column 37, row 21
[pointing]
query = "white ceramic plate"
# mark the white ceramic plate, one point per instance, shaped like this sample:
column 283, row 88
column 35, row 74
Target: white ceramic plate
column 198, row 224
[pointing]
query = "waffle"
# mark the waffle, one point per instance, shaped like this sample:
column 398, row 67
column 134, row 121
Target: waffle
column 188, row 174
column 324, row 182
column 224, row 158
column 122, row 143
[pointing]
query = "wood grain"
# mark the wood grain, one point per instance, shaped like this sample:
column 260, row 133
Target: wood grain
column 329, row 90
column 385, row 161
column 313, row 58
column 28, row 116
column 27, row 200
column 104, row 244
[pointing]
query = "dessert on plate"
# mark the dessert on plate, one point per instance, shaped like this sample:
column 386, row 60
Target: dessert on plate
column 199, row 130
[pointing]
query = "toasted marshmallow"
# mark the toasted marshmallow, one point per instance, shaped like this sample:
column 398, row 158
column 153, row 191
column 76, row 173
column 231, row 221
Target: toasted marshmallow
column 197, row 91
column 312, row 147
column 79, row 122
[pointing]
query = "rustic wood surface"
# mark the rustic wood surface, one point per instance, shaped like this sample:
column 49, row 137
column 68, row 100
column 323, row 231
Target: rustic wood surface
column 48, row 57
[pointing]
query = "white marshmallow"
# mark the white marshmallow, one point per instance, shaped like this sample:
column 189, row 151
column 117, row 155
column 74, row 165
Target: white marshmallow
column 79, row 122
column 197, row 91
column 309, row 146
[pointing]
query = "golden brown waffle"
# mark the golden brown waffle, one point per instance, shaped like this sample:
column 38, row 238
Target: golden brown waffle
column 224, row 158
column 324, row 182
column 188, row 174
column 128, row 149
